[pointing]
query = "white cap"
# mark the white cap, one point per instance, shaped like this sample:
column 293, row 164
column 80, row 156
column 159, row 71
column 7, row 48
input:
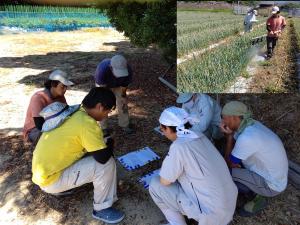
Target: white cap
column 275, row 9
column 177, row 117
column 184, row 97
column 119, row 66
column 173, row 116
column 60, row 76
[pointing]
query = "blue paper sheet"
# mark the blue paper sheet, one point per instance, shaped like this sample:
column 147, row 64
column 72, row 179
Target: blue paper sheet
column 137, row 159
column 145, row 180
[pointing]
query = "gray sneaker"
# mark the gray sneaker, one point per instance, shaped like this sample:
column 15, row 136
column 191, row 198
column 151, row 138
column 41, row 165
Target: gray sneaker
column 109, row 215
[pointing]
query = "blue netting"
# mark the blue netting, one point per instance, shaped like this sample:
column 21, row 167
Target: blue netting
column 32, row 21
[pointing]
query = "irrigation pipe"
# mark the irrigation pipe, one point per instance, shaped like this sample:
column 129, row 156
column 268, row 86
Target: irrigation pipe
column 167, row 83
column 298, row 70
column 294, row 174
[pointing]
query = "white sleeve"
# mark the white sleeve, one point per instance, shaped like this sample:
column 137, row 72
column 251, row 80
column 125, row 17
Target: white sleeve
column 172, row 166
column 243, row 148
column 205, row 115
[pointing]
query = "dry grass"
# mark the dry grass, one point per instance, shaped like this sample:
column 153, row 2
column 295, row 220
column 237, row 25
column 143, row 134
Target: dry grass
column 280, row 73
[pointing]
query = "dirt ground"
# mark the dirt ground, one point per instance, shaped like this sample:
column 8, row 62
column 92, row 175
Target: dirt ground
column 25, row 62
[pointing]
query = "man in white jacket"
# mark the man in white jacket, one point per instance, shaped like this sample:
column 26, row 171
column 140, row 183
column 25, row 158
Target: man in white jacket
column 194, row 179
column 206, row 111
column 250, row 18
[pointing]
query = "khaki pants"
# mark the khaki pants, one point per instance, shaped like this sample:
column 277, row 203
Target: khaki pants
column 87, row 170
column 121, row 105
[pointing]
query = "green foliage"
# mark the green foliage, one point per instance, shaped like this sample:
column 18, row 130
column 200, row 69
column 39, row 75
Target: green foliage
column 146, row 24
column 291, row 5
column 51, row 18
column 264, row 63
column 46, row 9
column 206, row 10
column 295, row 23
column 216, row 70
column 197, row 30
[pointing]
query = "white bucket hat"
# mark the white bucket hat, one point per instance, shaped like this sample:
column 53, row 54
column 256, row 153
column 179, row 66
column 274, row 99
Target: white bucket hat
column 184, row 97
column 177, row 117
column 119, row 66
column 55, row 114
column 275, row 9
column 60, row 76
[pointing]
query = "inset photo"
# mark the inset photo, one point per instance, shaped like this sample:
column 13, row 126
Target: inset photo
column 238, row 47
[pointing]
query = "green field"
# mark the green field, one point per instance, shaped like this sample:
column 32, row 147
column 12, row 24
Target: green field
column 51, row 18
column 296, row 22
column 216, row 69
column 199, row 29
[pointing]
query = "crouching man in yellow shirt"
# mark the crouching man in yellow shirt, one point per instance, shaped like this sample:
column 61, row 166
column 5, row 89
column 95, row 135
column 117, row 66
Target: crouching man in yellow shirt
column 58, row 164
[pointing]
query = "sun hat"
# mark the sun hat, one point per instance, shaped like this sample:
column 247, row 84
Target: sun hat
column 55, row 114
column 60, row 76
column 275, row 10
column 184, row 97
column 119, row 66
column 236, row 108
column 177, row 117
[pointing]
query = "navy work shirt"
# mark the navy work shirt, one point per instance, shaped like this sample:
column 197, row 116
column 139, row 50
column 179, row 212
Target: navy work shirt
column 104, row 76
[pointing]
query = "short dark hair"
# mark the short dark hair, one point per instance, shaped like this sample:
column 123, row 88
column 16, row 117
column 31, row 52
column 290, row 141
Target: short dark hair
column 51, row 83
column 173, row 128
column 99, row 95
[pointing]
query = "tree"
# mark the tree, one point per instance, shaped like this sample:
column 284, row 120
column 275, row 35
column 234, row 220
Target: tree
column 147, row 23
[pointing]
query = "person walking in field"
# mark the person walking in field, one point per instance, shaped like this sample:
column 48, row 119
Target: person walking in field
column 275, row 25
column 116, row 74
column 55, row 89
column 256, row 156
column 194, row 180
column 249, row 19
column 207, row 112
column 72, row 152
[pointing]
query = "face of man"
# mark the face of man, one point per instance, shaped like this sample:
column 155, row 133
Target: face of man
column 100, row 112
column 232, row 122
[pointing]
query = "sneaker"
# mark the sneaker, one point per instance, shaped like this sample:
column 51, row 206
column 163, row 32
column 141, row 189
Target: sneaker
column 64, row 193
column 109, row 215
column 253, row 207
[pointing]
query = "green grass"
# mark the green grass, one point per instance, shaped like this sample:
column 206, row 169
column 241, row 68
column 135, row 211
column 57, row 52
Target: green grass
column 264, row 63
column 245, row 74
column 215, row 70
column 46, row 9
column 296, row 23
column 198, row 30
column 51, row 18
column 206, row 10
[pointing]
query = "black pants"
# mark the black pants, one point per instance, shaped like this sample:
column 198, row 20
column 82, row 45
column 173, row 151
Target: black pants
column 271, row 43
